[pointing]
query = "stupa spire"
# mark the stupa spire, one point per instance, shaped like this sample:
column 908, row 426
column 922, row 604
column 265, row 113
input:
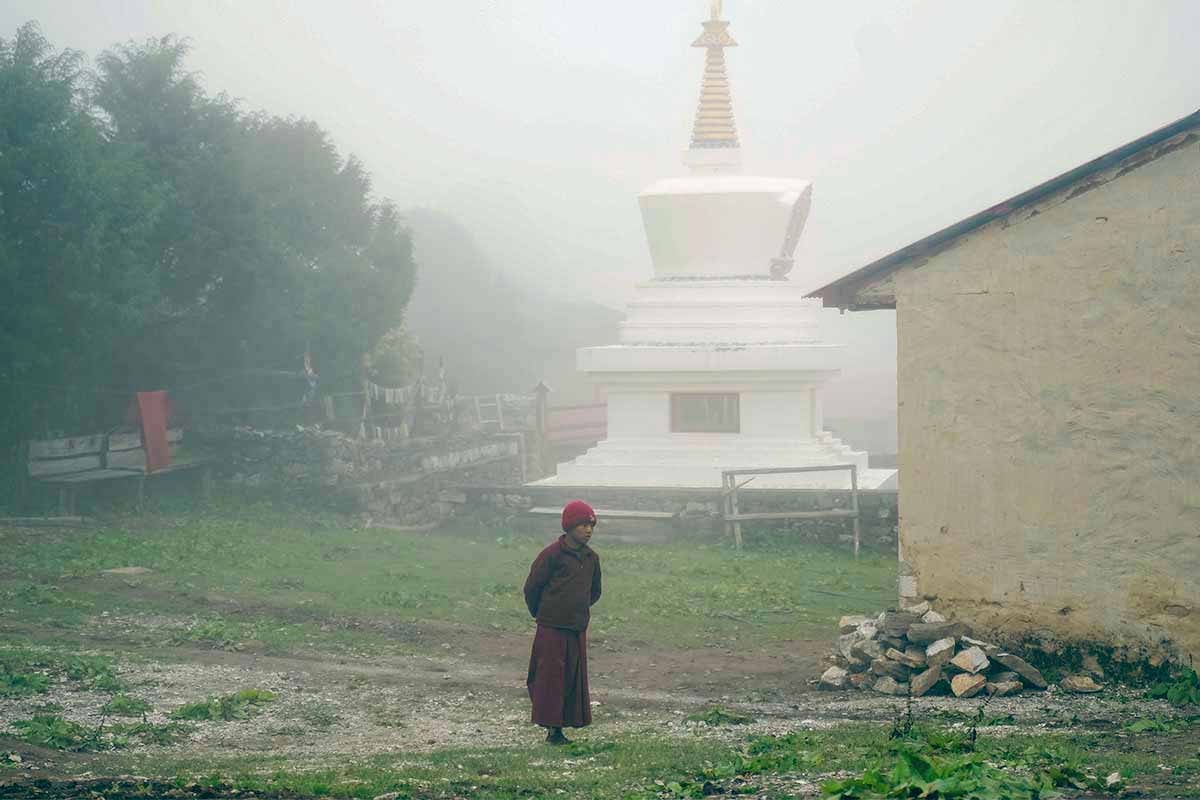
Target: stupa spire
column 714, row 128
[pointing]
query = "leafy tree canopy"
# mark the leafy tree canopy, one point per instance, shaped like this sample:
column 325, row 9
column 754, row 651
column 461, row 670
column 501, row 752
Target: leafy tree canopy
column 150, row 232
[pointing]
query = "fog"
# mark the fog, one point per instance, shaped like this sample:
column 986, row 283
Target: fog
column 534, row 123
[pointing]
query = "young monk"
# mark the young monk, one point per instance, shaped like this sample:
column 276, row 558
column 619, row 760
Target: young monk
column 563, row 585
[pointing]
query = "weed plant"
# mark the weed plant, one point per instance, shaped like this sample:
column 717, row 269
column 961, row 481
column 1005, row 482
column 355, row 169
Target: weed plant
column 123, row 705
column 916, row 773
column 26, row 672
column 56, row 733
column 240, row 705
column 1184, row 690
column 720, row 716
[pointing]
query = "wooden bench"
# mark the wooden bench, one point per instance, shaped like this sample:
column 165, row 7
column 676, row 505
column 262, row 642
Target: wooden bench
column 79, row 460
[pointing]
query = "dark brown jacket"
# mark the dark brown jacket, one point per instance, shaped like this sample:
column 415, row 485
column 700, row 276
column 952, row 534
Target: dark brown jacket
column 562, row 586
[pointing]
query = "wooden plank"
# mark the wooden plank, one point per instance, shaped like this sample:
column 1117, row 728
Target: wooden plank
column 734, row 512
column 832, row 514
column 136, row 458
column 133, row 441
column 608, row 513
column 127, row 459
column 60, row 448
column 783, row 470
column 854, row 507
column 89, row 476
column 113, row 474
column 62, row 466
column 45, row 522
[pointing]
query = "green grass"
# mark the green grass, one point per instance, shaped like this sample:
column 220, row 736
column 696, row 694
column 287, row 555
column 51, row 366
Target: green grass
column 644, row 766
column 288, row 574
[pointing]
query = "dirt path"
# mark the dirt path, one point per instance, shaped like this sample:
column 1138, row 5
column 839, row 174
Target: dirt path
column 468, row 690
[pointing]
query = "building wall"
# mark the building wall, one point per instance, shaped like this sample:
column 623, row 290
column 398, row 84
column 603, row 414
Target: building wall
column 1049, row 389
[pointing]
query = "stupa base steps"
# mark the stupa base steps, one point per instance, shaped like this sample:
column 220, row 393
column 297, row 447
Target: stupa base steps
column 686, row 462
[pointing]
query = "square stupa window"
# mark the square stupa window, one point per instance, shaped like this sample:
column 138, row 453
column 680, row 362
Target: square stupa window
column 705, row 413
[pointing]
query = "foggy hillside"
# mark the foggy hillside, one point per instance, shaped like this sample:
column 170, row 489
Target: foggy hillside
column 495, row 334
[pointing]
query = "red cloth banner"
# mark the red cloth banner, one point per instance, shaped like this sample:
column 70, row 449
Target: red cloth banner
column 152, row 414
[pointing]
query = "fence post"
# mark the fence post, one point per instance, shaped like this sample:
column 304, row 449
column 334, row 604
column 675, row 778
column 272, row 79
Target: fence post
column 543, row 447
column 854, row 505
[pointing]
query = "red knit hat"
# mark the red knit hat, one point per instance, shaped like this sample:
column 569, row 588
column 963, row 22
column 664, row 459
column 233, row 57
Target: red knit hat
column 575, row 513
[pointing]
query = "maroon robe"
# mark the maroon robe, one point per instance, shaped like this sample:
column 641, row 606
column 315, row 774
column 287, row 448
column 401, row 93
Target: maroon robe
column 562, row 586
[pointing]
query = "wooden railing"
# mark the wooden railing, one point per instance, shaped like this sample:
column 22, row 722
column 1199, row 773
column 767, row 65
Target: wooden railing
column 734, row 517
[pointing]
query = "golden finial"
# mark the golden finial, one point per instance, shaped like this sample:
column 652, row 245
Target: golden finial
column 714, row 126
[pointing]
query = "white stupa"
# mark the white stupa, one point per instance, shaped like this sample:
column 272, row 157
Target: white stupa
column 720, row 363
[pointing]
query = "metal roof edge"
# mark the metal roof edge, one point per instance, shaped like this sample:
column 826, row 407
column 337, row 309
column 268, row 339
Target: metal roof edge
column 834, row 292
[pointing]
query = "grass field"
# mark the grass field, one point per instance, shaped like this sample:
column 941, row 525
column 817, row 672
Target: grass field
column 260, row 650
column 282, row 572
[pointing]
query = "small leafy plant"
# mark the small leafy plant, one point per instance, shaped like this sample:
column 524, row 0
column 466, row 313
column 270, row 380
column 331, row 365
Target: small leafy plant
column 20, row 684
column 26, row 672
column 123, row 705
column 720, row 716
column 916, row 774
column 55, row 733
column 146, row 733
column 94, row 672
column 1183, row 691
column 240, row 705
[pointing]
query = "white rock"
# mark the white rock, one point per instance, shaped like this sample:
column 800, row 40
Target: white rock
column 932, row 616
column 125, row 571
column 849, row 624
column 966, row 685
column 1004, row 688
column 845, row 642
column 833, row 678
column 940, row 652
column 922, row 682
column 1080, row 684
column 920, row 608
column 988, row 648
column 971, row 660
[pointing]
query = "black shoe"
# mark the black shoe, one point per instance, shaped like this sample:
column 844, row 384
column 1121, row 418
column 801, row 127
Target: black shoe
column 556, row 737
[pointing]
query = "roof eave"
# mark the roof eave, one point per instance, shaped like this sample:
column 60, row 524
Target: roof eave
column 844, row 292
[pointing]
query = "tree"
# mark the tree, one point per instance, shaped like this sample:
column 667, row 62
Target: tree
column 77, row 271
column 271, row 246
column 146, row 226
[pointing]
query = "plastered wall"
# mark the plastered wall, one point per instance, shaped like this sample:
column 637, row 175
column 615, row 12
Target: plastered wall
column 1049, row 388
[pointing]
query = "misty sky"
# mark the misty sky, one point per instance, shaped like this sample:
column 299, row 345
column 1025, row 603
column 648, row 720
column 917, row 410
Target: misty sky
column 536, row 122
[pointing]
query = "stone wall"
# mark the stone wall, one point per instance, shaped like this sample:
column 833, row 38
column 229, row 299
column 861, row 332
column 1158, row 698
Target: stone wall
column 700, row 509
column 408, row 481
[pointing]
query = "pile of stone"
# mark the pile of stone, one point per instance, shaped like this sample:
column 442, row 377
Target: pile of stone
column 918, row 652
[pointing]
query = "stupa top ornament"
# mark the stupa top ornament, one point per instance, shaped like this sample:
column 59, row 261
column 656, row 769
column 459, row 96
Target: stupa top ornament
column 717, row 223
column 714, row 147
